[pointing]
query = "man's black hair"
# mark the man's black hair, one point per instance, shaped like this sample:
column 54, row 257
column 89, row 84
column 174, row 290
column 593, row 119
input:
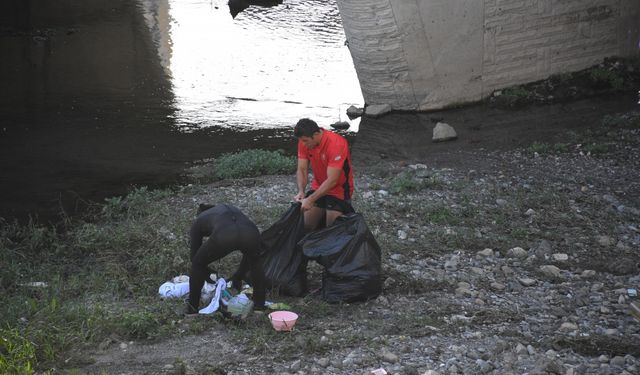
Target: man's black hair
column 305, row 128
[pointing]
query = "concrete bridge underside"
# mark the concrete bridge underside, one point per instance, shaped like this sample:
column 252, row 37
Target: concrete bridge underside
column 429, row 54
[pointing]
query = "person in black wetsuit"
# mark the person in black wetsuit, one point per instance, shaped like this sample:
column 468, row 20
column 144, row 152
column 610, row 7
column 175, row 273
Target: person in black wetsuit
column 227, row 229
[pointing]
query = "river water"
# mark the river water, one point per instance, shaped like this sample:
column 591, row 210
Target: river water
column 99, row 96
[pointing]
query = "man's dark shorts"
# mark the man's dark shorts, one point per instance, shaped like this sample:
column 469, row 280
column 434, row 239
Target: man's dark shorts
column 329, row 202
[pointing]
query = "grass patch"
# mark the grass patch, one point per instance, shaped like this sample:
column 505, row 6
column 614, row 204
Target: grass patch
column 406, row 182
column 17, row 354
column 543, row 148
column 603, row 78
column 515, row 96
column 252, row 163
column 61, row 285
column 248, row 163
column 441, row 215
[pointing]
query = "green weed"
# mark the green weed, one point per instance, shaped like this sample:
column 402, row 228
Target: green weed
column 252, row 163
column 441, row 215
column 606, row 78
column 407, row 182
column 515, row 96
column 595, row 148
column 543, row 148
column 17, row 354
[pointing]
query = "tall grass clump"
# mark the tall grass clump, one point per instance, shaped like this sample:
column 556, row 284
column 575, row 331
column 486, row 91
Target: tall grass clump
column 61, row 286
column 252, row 163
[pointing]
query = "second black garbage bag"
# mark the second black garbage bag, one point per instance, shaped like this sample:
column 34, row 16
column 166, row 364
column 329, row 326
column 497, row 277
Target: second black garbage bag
column 351, row 258
column 285, row 268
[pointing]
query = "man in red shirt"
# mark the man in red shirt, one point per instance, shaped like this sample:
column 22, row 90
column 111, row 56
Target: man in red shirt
column 332, row 185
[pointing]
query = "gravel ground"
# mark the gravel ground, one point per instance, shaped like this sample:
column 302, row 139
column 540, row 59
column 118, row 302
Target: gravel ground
column 521, row 261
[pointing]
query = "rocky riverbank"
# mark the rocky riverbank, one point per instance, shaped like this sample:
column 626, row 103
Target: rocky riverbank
column 520, row 261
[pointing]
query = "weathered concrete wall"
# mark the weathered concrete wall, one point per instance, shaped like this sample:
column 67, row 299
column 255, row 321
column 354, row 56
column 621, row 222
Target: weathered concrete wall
column 427, row 54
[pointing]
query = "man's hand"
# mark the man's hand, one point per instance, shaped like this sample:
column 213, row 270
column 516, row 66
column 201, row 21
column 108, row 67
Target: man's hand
column 299, row 197
column 307, row 204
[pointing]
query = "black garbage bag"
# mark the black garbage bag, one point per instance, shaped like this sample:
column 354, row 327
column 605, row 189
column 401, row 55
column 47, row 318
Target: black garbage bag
column 351, row 258
column 285, row 267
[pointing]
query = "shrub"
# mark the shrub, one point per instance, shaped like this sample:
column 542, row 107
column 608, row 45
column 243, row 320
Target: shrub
column 515, row 96
column 606, row 78
column 405, row 182
column 252, row 163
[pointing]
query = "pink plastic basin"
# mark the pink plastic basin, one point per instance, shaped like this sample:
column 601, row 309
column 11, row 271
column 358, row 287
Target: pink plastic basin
column 283, row 320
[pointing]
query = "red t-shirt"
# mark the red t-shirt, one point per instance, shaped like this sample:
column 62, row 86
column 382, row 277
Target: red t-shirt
column 333, row 151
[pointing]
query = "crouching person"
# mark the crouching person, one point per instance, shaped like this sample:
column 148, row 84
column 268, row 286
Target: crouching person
column 227, row 229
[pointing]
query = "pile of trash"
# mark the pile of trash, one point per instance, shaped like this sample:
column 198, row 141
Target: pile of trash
column 347, row 250
column 216, row 295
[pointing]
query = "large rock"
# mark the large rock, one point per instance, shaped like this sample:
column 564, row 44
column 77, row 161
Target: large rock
column 377, row 110
column 444, row 132
column 354, row 112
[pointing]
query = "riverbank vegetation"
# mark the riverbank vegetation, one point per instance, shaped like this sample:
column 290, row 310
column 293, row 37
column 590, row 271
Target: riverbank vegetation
column 613, row 76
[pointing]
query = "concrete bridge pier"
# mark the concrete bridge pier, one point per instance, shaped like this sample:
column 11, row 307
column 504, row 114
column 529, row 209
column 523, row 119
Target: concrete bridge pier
column 429, row 54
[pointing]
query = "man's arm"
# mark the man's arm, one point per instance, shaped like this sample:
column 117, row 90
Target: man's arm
column 333, row 175
column 302, row 175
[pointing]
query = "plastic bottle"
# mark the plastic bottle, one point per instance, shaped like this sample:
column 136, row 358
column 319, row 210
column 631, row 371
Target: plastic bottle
column 240, row 306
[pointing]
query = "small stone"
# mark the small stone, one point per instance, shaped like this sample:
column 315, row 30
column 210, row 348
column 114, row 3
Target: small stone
column 402, row 234
column 123, row 345
column 525, row 281
column 485, row 366
column 621, row 300
column 323, row 362
column 354, row 112
column 443, row 132
column 464, row 292
column 531, row 350
column 517, row 252
column 603, row 358
column 396, row 256
column 497, row 286
column 383, row 193
column 387, row 356
column 377, row 110
column 324, row 339
column 568, row 327
column 550, row 271
column 418, row 166
column 367, row 195
column 296, row 365
column 451, row 265
column 501, row 202
column 617, row 361
column 543, row 248
column 611, row 332
column 605, row 241
column 530, row 212
column 587, row 274
column 521, row 349
column 560, row 257
column 486, row 252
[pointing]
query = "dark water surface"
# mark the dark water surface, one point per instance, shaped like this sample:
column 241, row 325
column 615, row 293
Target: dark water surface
column 101, row 95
